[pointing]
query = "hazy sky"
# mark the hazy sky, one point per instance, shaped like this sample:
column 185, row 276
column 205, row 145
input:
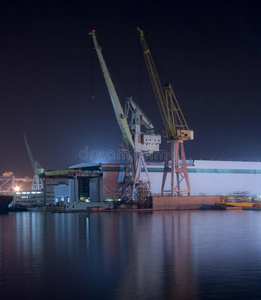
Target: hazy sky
column 52, row 87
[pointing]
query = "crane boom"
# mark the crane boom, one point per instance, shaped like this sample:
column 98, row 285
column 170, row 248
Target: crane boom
column 35, row 164
column 133, row 106
column 154, row 77
column 171, row 114
column 122, row 121
column 37, row 181
column 139, row 143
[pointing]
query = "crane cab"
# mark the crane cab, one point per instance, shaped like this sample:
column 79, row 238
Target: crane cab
column 151, row 142
column 185, row 135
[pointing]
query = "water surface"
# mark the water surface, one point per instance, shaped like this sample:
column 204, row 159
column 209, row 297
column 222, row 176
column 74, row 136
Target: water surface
column 152, row 255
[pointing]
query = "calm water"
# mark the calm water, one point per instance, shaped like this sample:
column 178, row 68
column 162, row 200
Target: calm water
column 159, row 255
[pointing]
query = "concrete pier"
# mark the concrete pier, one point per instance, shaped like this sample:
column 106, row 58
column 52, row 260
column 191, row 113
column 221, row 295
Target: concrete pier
column 183, row 202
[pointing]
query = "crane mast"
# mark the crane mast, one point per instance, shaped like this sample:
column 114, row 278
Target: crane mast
column 113, row 95
column 37, row 181
column 176, row 128
column 154, row 78
column 138, row 143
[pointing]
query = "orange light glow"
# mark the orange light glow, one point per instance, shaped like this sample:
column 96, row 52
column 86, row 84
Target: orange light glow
column 17, row 188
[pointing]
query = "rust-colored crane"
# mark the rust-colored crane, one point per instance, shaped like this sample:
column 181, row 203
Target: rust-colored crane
column 177, row 129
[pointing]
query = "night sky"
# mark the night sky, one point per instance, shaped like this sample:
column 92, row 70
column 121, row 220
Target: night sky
column 52, row 87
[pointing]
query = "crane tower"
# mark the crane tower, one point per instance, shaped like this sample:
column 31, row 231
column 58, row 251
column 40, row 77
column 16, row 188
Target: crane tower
column 176, row 128
column 139, row 144
column 37, row 181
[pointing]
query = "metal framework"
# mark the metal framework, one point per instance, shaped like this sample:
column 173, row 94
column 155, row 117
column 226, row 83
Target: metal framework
column 134, row 188
column 37, row 184
column 8, row 182
column 175, row 124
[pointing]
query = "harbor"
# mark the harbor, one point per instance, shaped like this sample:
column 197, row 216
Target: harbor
column 89, row 185
column 130, row 163
column 150, row 176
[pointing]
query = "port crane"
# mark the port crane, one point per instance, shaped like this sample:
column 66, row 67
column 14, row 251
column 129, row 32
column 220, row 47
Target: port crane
column 37, row 183
column 176, row 127
column 139, row 144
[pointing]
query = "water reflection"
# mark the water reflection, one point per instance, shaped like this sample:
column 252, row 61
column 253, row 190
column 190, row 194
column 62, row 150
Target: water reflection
column 147, row 253
column 155, row 255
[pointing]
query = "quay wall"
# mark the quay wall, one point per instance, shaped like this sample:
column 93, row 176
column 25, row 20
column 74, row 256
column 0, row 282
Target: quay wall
column 183, row 202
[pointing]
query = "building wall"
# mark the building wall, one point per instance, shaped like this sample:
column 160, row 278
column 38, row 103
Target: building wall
column 50, row 194
column 225, row 177
column 206, row 177
column 189, row 202
column 61, row 193
column 112, row 178
column 95, row 185
column 28, row 198
column 34, row 198
column 216, row 178
column 73, row 190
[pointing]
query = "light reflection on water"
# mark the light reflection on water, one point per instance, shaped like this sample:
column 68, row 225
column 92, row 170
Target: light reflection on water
column 152, row 255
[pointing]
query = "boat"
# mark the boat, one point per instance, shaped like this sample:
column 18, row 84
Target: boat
column 5, row 200
column 229, row 205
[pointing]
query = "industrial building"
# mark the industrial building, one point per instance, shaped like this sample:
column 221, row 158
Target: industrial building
column 138, row 179
column 96, row 183
column 207, row 178
column 31, row 198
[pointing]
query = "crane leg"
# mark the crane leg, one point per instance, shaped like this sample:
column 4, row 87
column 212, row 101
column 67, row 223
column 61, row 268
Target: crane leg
column 185, row 169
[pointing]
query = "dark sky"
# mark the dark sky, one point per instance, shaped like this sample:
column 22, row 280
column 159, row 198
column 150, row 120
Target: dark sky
column 210, row 51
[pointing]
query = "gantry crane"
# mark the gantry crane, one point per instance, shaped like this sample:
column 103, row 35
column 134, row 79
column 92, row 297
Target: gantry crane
column 138, row 143
column 37, row 181
column 177, row 129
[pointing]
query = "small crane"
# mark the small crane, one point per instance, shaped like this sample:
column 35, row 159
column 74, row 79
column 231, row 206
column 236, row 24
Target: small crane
column 37, row 183
column 175, row 124
column 138, row 143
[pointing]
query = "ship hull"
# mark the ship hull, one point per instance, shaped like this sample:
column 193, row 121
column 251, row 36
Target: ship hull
column 5, row 200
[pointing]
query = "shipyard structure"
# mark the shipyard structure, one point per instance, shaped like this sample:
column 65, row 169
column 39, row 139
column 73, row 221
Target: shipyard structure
column 175, row 183
column 211, row 181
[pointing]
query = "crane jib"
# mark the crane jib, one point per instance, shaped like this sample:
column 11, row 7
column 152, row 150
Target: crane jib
column 170, row 111
column 124, row 127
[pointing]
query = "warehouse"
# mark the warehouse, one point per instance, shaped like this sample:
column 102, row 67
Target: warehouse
column 207, row 177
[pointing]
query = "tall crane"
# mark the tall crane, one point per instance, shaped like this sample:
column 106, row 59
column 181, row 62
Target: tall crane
column 37, row 183
column 138, row 143
column 176, row 127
